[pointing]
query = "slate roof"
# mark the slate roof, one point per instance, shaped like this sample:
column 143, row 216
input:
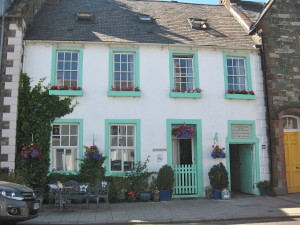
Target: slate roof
column 117, row 21
column 252, row 9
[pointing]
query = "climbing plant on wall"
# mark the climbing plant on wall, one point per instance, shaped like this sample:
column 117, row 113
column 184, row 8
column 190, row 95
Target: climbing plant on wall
column 36, row 111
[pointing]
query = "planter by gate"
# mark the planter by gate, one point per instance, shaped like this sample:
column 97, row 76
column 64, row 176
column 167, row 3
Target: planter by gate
column 165, row 195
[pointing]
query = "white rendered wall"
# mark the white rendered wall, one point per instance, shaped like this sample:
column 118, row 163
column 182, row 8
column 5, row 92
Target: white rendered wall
column 155, row 106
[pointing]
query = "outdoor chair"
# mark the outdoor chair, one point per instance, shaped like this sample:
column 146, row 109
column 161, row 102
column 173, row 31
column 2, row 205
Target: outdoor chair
column 77, row 192
column 101, row 193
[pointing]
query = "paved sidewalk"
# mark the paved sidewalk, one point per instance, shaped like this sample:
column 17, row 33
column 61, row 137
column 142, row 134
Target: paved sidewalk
column 176, row 210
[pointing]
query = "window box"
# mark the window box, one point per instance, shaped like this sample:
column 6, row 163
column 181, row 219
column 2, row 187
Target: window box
column 124, row 93
column 185, row 95
column 66, row 92
column 239, row 96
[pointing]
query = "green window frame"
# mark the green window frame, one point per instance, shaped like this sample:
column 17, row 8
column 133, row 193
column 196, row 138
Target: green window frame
column 120, row 122
column 135, row 72
column 54, row 70
column 79, row 154
column 182, row 55
column 245, row 75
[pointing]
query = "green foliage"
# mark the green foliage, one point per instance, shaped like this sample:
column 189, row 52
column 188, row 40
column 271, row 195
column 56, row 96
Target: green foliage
column 165, row 178
column 262, row 185
column 11, row 177
column 36, row 111
column 52, row 178
column 91, row 171
column 218, row 176
column 137, row 180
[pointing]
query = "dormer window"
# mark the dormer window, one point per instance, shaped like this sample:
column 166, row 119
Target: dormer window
column 145, row 19
column 198, row 23
column 84, row 16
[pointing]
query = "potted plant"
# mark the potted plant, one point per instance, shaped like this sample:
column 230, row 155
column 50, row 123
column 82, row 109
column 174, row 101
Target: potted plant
column 165, row 182
column 264, row 187
column 218, row 177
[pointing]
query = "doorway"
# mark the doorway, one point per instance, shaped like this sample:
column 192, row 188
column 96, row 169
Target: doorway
column 292, row 152
column 241, row 168
column 182, row 151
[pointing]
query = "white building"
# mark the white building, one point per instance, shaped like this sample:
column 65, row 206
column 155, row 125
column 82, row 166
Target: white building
column 153, row 46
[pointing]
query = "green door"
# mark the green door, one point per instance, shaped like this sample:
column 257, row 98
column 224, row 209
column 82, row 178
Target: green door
column 246, row 168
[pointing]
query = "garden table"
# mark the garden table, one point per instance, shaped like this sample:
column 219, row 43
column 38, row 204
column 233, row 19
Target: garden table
column 61, row 197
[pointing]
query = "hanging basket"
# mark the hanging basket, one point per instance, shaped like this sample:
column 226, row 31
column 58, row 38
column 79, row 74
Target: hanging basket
column 36, row 153
column 184, row 131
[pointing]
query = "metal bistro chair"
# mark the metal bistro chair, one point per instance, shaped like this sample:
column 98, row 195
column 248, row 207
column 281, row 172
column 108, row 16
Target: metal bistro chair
column 77, row 191
column 101, row 193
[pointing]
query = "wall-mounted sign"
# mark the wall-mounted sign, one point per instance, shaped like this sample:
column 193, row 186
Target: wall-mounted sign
column 159, row 149
column 241, row 131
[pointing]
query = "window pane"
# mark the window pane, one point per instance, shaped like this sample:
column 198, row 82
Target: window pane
column 115, row 160
column 68, row 56
column 65, row 141
column 74, row 129
column 55, row 141
column 73, row 141
column 123, row 66
column 58, row 156
column 65, row 129
column 70, row 160
column 60, row 55
column 130, row 130
column 122, row 130
column 67, row 75
column 74, row 65
column 55, row 130
column 229, row 62
column 122, row 140
column 128, row 160
column 117, row 67
column 123, row 58
column 60, row 65
column 74, row 56
column 73, row 75
column 290, row 123
column 130, row 141
column 117, row 57
column 130, row 57
column 114, row 141
column 230, row 71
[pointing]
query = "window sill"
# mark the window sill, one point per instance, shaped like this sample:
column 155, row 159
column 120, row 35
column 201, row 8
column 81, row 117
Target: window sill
column 66, row 92
column 240, row 96
column 185, row 95
column 124, row 93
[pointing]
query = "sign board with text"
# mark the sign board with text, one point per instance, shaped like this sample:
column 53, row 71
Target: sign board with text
column 241, row 131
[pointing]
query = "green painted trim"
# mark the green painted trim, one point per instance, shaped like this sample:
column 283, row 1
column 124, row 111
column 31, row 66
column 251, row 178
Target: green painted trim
column 136, row 71
column 66, row 92
column 53, row 64
column 108, row 122
column 124, row 93
column 197, row 148
column 171, row 66
column 185, row 95
column 239, row 96
column 80, row 144
column 248, row 72
column 254, row 140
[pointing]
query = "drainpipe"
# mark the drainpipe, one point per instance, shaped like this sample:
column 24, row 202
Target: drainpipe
column 263, row 64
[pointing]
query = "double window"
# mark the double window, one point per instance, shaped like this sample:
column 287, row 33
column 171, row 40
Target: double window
column 238, row 81
column 184, row 75
column 66, row 73
column 67, row 68
column 124, row 78
column 122, row 145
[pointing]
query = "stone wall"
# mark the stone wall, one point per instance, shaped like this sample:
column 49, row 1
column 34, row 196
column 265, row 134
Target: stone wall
column 15, row 24
column 280, row 28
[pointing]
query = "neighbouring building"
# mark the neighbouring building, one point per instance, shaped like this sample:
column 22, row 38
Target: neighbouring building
column 140, row 70
column 279, row 28
column 15, row 17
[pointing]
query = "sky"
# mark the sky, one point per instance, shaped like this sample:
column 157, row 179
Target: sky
column 214, row 2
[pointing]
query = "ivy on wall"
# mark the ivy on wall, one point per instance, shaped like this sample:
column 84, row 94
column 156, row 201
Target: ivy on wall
column 36, row 111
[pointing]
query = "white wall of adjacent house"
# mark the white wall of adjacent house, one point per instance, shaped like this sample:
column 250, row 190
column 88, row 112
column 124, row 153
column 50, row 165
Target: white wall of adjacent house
column 155, row 106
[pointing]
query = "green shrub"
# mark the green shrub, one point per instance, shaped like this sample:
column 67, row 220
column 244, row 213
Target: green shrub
column 165, row 178
column 11, row 176
column 218, row 176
